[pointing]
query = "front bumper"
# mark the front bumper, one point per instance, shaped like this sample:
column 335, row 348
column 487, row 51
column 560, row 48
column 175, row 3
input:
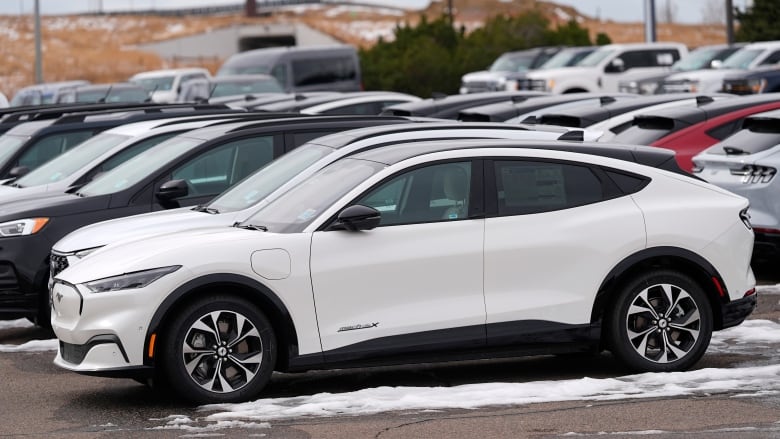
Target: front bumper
column 736, row 311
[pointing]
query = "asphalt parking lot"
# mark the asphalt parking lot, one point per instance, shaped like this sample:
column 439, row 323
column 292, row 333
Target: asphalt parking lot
column 41, row 400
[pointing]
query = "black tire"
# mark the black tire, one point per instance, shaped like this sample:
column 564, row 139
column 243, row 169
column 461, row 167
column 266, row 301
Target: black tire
column 233, row 350
column 665, row 336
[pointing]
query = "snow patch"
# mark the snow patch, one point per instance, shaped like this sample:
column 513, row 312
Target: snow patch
column 32, row 346
column 11, row 324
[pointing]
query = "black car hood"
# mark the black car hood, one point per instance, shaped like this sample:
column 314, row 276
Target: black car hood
column 51, row 205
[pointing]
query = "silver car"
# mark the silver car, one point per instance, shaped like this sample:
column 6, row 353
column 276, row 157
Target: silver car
column 746, row 163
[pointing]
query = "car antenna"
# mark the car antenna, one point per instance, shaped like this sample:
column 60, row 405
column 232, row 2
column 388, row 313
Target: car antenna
column 108, row 92
column 604, row 100
column 702, row 100
column 151, row 93
column 211, row 93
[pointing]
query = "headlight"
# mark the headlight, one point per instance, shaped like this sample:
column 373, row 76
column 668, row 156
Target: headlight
column 129, row 281
column 648, row 88
column 29, row 226
column 757, row 85
column 550, row 84
column 693, row 86
column 511, row 85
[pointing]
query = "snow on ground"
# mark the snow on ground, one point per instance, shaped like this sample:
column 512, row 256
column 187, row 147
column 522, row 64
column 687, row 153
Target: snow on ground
column 31, row 346
column 749, row 380
column 20, row 323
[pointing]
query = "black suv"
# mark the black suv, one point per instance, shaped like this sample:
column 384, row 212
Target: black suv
column 186, row 170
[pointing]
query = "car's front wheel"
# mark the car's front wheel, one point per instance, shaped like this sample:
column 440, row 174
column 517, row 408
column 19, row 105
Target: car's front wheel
column 661, row 321
column 219, row 349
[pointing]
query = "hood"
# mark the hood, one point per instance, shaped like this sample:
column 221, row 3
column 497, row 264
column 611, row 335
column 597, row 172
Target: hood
column 707, row 75
column 484, row 76
column 9, row 193
column 46, row 204
column 155, row 223
column 226, row 245
column 561, row 72
column 164, row 96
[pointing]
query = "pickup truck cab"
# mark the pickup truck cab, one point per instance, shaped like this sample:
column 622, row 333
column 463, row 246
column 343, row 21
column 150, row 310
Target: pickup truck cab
column 603, row 69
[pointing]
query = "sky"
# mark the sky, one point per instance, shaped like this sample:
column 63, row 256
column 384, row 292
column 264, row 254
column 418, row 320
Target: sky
column 618, row 10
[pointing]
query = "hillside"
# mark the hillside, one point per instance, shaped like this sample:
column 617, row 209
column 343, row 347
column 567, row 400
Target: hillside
column 102, row 48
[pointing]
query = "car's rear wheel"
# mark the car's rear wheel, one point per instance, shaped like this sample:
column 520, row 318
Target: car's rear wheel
column 661, row 321
column 219, row 349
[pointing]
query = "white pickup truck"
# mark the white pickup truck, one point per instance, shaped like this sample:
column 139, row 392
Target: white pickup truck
column 603, row 69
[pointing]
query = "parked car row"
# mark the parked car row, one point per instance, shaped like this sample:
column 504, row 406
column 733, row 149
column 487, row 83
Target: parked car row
column 645, row 68
column 202, row 247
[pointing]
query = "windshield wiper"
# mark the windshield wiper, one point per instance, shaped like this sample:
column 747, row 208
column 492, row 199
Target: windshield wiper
column 251, row 227
column 204, row 208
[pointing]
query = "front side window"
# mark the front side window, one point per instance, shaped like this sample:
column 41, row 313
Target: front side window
column 270, row 178
column 139, row 167
column 72, row 161
column 295, row 210
column 527, row 187
column 433, row 193
column 214, row 171
column 9, row 145
column 49, row 147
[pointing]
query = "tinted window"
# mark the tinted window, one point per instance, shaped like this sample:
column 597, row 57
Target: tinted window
column 323, row 71
column 772, row 59
column 527, row 187
column 132, row 151
column 747, row 141
column 218, row 169
column 433, row 193
column 720, row 132
column 52, row 146
column 72, row 161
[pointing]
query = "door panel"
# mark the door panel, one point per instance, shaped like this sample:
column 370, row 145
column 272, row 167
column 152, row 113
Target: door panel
column 548, row 266
column 405, row 279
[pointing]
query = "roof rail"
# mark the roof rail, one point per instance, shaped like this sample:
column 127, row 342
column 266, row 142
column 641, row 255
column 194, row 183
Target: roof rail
column 57, row 111
column 171, row 111
column 314, row 118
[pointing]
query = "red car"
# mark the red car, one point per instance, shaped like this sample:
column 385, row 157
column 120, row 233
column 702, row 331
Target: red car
column 688, row 131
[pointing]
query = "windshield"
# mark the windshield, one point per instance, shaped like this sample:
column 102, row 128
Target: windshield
column 595, row 58
column 140, row 166
column 162, row 83
column 269, row 178
column 244, row 70
column 9, row 145
column 295, row 210
column 566, row 58
column 242, row 88
column 698, row 59
column 741, row 59
column 71, row 161
column 512, row 63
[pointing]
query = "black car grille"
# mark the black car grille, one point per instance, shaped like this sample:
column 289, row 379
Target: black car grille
column 73, row 353
column 57, row 263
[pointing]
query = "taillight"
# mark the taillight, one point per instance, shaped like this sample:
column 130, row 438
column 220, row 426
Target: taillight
column 754, row 173
column 750, row 292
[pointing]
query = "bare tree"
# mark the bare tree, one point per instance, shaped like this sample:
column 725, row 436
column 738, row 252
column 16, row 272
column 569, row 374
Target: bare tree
column 714, row 12
column 667, row 13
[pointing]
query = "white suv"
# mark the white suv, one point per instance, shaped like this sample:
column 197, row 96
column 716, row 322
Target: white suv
column 603, row 69
column 165, row 85
column 426, row 251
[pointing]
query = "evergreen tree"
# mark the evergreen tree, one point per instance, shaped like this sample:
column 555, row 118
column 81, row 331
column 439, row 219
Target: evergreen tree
column 759, row 22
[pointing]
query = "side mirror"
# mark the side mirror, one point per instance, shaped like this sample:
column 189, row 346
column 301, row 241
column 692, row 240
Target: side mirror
column 18, row 171
column 173, row 189
column 716, row 64
column 615, row 66
column 357, row 217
